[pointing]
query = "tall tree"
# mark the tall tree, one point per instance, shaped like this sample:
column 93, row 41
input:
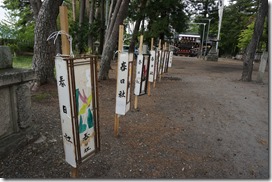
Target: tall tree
column 164, row 17
column 119, row 14
column 248, row 57
column 45, row 13
column 140, row 10
column 237, row 16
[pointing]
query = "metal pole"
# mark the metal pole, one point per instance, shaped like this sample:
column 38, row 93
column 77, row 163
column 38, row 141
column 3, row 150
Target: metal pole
column 207, row 36
column 201, row 50
column 202, row 39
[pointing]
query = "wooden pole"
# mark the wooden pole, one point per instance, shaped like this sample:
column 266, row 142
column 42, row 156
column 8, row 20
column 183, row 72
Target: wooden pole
column 120, row 48
column 152, row 44
column 140, row 52
column 65, row 45
column 74, row 172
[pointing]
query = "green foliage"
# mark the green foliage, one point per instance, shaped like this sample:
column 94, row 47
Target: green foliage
column 246, row 35
column 22, row 62
column 237, row 16
column 41, row 96
column 80, row 34
column 19, row 27
column 163, row 17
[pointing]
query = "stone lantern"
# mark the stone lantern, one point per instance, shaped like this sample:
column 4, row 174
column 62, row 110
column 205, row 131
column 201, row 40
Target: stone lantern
column 213, row 54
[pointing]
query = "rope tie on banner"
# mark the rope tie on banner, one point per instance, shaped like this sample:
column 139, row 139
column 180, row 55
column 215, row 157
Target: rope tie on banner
column 55, row 35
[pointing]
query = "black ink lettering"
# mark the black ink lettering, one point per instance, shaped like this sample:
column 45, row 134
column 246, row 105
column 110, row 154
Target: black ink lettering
column 122, row 94
column 123, row 66
column 64, row 109
column 68, row 138
column 122, row 81
column 61, row 82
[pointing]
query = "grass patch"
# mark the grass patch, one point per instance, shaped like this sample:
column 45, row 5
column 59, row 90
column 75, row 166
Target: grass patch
column 22, row 62
column 41, row 96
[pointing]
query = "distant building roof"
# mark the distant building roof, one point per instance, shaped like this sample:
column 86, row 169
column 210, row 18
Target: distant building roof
column 189, row 35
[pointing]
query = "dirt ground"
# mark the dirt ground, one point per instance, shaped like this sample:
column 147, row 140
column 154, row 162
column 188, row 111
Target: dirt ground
column 200, row 122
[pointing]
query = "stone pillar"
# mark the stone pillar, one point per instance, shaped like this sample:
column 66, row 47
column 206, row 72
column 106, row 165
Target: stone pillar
column 262, row 66
column 5, row 57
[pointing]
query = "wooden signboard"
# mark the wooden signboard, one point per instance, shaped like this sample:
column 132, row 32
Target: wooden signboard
column 78, row 102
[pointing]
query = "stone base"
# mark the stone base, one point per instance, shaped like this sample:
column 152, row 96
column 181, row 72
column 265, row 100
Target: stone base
column 212, row 57
column 15, row 141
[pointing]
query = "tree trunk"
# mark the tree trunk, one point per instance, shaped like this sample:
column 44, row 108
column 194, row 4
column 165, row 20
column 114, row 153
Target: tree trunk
column 110, row 43
column 113, row 20
column 134, row 35
column 137, row 26
column 112, row 5
column 36, row 6
column 45, row 51
column 81, row 20
column 102, row 28
column 82, row 11
column 248, row 57
column 74, row 9
column 91, row 20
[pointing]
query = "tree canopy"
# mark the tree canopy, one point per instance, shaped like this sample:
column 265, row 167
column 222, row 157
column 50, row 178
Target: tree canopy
column 93, row 21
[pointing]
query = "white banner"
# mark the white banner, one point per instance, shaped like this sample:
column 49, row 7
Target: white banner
column 165, row 62
column 152, row 66
column 65, row 111
column 141, row 75
column 160, row 64
column 170, row 59
column 123, row 85
column 220, row 16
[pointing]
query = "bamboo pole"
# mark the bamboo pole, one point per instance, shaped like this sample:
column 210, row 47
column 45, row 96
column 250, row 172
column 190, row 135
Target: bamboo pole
column 65, row 45
column 120, row 48
column 140, row 52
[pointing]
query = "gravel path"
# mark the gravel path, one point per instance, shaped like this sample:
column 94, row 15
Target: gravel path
column 199, row 122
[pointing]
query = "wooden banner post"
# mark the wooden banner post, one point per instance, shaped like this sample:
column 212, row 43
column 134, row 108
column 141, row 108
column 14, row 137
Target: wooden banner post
column 140, row 52
column 120, row 48
column 65, row 45
column 65, row 48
